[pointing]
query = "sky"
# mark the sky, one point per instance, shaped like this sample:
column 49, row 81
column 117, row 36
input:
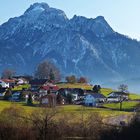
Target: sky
column 122, row 15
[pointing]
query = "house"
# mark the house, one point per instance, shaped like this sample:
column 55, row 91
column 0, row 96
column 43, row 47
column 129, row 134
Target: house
column 48, row 100
column 16, row 97
column 37, row 83
column 43, row 90
column 9, row 82
column 117, row 96
column 77, row 93
column 25, row 79
column 4, row 84
column 94, row 99
column 21, row 81
column 2, row 93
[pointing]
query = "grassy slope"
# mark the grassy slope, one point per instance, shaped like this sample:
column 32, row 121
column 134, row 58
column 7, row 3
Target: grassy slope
column 132, row 96
column 125, row 105
column 75, row 108
column 20, row 87
column 75, row 85
column 104, row 91
column 67, row 109
column 7, row 104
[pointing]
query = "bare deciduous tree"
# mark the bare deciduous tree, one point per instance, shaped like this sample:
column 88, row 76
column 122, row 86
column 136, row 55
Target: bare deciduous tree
column 71, row 79
column 123, row 89
column 47, row 70
column 82, row 80
column 8, row 73
column 43, row 122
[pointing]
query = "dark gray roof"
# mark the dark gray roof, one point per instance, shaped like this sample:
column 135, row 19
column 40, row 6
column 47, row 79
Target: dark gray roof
column 2, row 90
column 119, row 93
column 97, row 95
column 38, row 81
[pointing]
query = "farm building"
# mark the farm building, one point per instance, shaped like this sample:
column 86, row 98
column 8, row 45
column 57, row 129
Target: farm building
column 43, row 90
column 117, row 96
column 77, row 93
column 48, row 100
column 94, row 99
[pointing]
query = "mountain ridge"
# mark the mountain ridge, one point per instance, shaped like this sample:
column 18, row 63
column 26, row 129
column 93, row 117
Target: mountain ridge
column 80, row 45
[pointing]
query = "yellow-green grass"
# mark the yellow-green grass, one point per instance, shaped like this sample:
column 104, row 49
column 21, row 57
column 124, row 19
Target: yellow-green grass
column 132, row 96
column 76, row 112
column 66, row 109
column 125, row 105
column 21, row 87
column 87, row 110
column 75, row 85
column 106, row 91
column 21, row 105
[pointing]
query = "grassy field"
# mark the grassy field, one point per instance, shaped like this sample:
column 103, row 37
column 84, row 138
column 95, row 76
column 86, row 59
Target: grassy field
column 21, row 87
column 75, row 109
column 125, row 105
column 106, row 91
column 21, row 105
column 75, row 85
column 133, row 96
column 66, row 109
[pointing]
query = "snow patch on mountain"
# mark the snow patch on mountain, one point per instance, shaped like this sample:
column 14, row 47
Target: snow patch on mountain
column 81, row 46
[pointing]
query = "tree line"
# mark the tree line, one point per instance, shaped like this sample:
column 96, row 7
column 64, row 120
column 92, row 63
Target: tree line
column 46, row 70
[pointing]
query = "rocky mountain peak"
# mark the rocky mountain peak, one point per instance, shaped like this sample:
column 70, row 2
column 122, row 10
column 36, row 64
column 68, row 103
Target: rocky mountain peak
column 37, row 7
column 98, row 26
column 81, row 46
column 42, row 14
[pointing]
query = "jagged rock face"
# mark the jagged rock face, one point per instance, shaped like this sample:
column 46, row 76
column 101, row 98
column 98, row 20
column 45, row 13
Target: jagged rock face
column 79, row 45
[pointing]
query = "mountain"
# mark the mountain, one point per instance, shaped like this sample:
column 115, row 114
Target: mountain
column 80, row 45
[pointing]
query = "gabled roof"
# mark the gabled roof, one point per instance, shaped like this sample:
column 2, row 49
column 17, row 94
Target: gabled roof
column 89, row 92
column 8, row 80
column 2, row 90
column 97, row 95
column 119, row 93
column 38, row 81
column 28, row 78
column 78, row 91
column 52, row 87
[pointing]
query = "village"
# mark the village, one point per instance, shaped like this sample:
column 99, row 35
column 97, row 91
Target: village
column 50, row 94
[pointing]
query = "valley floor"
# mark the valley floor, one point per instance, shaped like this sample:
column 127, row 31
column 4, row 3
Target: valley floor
column 110, row 112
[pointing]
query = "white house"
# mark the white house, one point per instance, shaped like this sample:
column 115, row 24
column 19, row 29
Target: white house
column 94, row 99
column 90, row 100
column 21, row 81
column 4, row 84
column 117, row 96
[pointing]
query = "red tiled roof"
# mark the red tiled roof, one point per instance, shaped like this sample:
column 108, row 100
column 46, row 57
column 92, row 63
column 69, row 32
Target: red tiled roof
column 50, row 88
column 8, row 80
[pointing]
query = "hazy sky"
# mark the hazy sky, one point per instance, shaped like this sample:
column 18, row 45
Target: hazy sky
column 122, row 15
